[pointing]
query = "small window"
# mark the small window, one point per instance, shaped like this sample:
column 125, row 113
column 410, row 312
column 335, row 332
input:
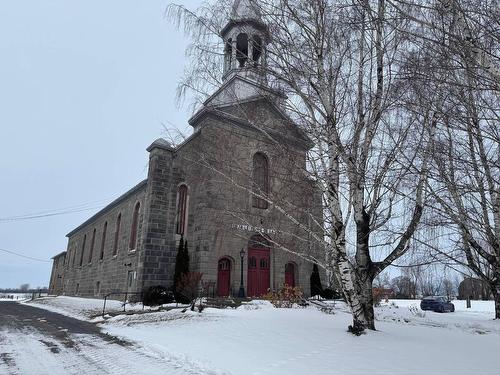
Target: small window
column 260, row 181
column 103, row 240
column 117, row 234
column 264, row 264
column 224, row 264
column 182, row 194
column 77, row 289
column 97, row 288
column 134, row 228
column 83, row 249
column 92, row 243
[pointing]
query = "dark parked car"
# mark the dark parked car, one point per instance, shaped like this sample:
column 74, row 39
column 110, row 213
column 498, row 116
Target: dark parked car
column 437, row 304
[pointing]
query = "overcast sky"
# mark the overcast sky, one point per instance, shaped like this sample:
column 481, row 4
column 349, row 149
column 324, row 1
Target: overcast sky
column 85, row 86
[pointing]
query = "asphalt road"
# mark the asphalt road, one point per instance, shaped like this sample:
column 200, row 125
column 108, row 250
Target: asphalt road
column 39, row 342
column 17, row 315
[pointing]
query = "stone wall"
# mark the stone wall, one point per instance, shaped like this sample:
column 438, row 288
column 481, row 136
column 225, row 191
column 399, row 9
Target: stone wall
column 216, row 164
column 96, row 277
column 222, row 218
column 57, row 274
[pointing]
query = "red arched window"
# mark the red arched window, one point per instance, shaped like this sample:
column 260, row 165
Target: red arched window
column 92, row 243
column 83, row 249
column 181, row 209
column 260, row 180
column 133, row 229
column 103, row 239
column 117, row 233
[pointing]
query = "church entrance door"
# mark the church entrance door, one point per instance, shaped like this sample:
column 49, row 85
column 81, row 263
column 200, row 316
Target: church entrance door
column 258, row 271
column 224, row 277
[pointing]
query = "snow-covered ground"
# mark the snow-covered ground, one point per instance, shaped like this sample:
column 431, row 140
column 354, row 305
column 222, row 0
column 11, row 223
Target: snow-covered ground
column 14, row 296
column 259, row 339
column 83, row 308
column 28, row 352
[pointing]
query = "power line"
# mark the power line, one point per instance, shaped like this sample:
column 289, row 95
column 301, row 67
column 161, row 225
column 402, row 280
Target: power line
column 58, row 211
column 49, row 214
column 25, row 256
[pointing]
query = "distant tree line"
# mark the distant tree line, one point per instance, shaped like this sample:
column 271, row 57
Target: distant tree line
column 25, row 288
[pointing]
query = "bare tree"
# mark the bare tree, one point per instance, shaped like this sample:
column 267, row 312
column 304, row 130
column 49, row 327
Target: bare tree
column 339, row 64
column 403, row 287
column 459, row 63
column 24, row 287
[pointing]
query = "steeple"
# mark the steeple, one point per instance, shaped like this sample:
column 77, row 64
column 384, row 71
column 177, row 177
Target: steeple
column 246, row 38
column 245, row 9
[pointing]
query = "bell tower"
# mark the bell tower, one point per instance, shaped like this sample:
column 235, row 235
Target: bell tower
column 246, row 38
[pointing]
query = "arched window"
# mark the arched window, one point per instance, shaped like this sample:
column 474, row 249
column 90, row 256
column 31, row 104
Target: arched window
column 83, row 249
column 242, row 49
column 290, row 274
column 72, row 257
column 133, row 230
column 257, row 49
column 228, row 54
column 258, row 242
column 182, row 193
column 260, row 180
column 103, row 239
column 117, row 234
column 92, row 243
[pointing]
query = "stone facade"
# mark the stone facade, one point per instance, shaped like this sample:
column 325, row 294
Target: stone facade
column 107, row 236
column 56, row 276
column 216, row 167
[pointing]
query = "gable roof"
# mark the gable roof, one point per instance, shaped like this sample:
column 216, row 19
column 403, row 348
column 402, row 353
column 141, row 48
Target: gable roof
column 291, row 133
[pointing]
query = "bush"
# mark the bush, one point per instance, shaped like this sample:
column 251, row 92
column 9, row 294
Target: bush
column 285, row 297
column 187, row 287
column 157, row 296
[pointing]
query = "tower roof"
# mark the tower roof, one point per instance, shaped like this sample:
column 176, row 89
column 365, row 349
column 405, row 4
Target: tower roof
column 247, row 10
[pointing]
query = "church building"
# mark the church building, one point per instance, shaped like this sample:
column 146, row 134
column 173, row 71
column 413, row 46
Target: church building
column 236, row 191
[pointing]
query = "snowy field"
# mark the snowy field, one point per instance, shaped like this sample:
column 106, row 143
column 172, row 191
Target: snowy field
column 259, row 339
column 15, row 296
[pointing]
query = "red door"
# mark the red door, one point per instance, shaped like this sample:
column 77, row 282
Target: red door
column 223, row 277
column 290, row 275
column 258, row 272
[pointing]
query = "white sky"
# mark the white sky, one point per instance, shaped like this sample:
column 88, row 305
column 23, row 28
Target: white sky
column 85, row 86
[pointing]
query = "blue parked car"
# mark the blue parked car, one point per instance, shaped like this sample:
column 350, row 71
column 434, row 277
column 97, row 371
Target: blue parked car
column 437, row 304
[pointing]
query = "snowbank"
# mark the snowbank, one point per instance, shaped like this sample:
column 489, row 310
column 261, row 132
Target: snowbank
column 259, row 339
column 81, row 308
